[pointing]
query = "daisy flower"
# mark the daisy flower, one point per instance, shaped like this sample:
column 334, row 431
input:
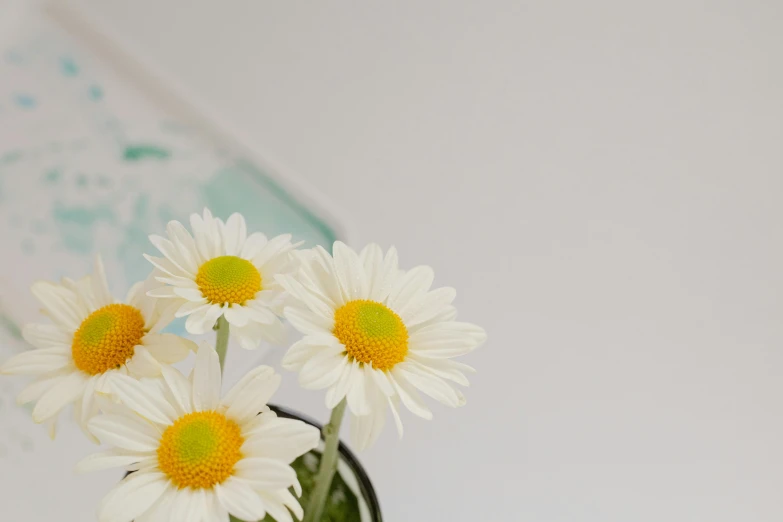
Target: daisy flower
column 221, row 271
column 92, row 339
column 197, row 457
column 375, row 335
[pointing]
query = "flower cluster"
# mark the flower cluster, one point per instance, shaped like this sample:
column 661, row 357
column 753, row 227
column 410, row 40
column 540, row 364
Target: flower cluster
column 374, row 337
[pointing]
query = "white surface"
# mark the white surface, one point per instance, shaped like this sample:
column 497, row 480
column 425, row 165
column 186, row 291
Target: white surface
column 600, row 181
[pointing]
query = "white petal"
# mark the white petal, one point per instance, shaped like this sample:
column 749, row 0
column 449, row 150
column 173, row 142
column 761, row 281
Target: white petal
column 430, row 384
column 290, row 502
column 183, row 506
column 196, row 324
column 449, row 313
column 218, row 512
column 168, row 249
column 382, row 381
column 189, row 307
column 320, row 270
column 315, row 302
column 274, row 247
column 394, row 406
column 59, row 303
column 149, row 306
column 160, row 511
column 358, row 402
column 100, row 286
column 199, row 323
column 132, row 497
column 441, row 344
column 255, row 394
column 240, row 500
column 410, row 397
column 253, row 245
column 308, row 322
column 37, row 362
column 275, row 507
column 106, row 460
column 59, row 396
column 51, row 427
column 163, row 314
column 280, row 439
column 143, row 364
column 387, row 277
column 34, row 390
column 274, row 333
column 240, row 388
column 163, row 292
column 323, row 369
column 248, row 337
column 260, row 312
column 264, row 473
column 186, row 246
column 371, row 259
column 206, row 379
column 142, row 399
column 236, row 315
column 337, row 392
column 444, row 368
column 168, row 348
column 102, row 382
column 234, row 234
column 366, row 428
column 204, row 235
column 428, row 306
column 195, row 508
column 129, row 433
column 415, row 283
column 137, row 291
column 191, row 294
column 89, row 406
column 255, row 332
column 350, row 272
column 307, row 347
column 179, row 387
column 212, row 315
column 45, row 336
column 181, row 282
column 446, row 340
column 164, row 265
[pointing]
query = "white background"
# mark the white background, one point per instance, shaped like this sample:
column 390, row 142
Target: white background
column 601, row 181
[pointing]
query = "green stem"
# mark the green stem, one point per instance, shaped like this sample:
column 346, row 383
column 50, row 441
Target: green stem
column 323, row 480
column 221, row 344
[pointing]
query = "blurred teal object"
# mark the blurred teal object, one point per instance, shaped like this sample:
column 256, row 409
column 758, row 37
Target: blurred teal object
column 90, row 165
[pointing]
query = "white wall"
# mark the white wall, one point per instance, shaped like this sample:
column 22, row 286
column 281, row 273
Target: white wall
column 600, row 180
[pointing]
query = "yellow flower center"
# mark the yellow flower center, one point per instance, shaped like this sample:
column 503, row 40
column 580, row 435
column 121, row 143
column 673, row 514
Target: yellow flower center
column 371, row 333
column 228, row 279
column 200, row 449
column 105, row 340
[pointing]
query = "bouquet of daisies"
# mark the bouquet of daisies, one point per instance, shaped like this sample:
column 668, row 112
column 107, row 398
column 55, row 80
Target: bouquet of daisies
column 374, row 337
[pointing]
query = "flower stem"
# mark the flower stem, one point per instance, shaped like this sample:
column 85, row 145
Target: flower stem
column 221, row 343
column 323, row 480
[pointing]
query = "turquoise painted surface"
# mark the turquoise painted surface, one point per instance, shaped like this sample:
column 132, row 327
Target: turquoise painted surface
column 140, row 152
column 68, row 66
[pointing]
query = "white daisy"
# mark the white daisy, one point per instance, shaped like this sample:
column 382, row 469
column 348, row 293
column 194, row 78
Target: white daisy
column 221, row 271
column 92, row 339
column 199, row 458
column 375, row 335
